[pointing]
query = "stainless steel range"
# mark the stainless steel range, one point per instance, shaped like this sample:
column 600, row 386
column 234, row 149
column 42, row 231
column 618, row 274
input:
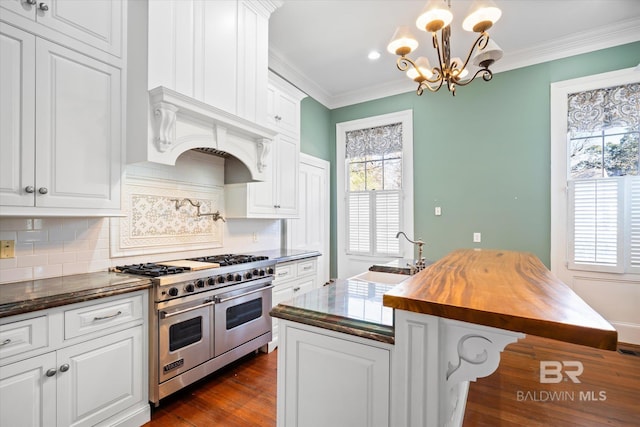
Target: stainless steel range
column 205, row 313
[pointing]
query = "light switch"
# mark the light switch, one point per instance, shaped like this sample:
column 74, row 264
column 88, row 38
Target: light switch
column 477, row 237
column 438, row 211
column 7, row 249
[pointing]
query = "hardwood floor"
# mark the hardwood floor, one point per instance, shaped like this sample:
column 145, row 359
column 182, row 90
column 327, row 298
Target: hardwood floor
column 244, row 393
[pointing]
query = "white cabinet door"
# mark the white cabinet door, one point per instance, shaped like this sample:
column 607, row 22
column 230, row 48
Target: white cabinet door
column 287, row 176
column 104, row 377
column 97, row 23
column 283, row 111
column 27, row 394
column 17, row 115
column 323, row 371
column 78, row 130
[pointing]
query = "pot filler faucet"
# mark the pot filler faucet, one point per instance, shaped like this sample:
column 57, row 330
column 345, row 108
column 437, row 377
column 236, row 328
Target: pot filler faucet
column 420, row 262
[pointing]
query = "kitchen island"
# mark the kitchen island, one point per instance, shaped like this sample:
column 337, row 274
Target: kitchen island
column 450, row 323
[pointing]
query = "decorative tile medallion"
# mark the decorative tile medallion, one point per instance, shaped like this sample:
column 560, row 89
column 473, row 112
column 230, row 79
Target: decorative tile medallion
column 154, row 223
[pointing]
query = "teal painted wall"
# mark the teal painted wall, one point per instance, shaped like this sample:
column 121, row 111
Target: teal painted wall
column 483, row 155
column 315, row 129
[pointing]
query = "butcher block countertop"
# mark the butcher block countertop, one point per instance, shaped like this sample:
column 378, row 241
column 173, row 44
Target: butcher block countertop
column 503, row 289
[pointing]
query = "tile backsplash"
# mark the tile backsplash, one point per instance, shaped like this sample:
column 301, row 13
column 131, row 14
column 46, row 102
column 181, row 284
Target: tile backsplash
column 51, row 247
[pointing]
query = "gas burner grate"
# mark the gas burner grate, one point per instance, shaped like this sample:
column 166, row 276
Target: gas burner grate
column 230, row 259
column 151, row 269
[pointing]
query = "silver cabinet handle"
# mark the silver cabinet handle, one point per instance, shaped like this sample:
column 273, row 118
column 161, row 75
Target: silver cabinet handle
column 111, row 316
column 308, row 267
column 278, row 118
column 31, row 2
column 43, row 7
column 43, row 190
column 51, row 372
column 29, row 189
column 64, row 368
column 282, row 274
column 5, row 342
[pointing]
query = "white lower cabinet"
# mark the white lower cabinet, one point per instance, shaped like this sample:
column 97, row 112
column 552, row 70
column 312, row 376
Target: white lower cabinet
column 96, row 379
column 291, row 279
column 327, row 378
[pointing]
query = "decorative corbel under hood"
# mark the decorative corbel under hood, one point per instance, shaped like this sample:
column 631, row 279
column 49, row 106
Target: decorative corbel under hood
column 181, row 123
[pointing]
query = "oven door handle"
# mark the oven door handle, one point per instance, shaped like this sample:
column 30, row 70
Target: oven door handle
column 166, row 315
column 220, row 300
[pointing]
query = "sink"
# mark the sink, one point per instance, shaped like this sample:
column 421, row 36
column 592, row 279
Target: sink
column 381, row 277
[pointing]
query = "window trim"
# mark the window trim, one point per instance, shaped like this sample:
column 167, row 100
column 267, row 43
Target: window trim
column 406, row 250
column 560, row 220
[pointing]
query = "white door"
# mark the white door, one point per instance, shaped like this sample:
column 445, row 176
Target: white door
column 17, row 115
column 311, row 230
column 101, row 377
column 78, row 130
column 27, row 393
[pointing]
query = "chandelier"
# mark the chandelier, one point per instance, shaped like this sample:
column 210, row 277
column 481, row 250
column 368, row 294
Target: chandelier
column 435, row 18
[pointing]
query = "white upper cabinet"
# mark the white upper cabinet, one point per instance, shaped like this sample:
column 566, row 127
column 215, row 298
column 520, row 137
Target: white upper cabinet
column 96, row 24
column 277, row 197
column 60, row 112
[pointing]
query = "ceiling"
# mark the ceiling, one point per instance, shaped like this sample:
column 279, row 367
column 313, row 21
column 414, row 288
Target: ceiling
column 321, row 46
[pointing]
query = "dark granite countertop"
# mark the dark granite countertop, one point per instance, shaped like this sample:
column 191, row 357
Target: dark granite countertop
column 284, row 255
column 33, row 295
column 350, row 306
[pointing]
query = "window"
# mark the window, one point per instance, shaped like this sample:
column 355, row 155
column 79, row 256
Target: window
column 374, row 178
column 374, row 189
column 603, row 179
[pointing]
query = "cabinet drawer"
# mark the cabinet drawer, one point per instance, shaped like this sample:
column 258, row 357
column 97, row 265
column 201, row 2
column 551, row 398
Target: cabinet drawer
column 285, row 272
column 307, row 267
column 97, row 317
column 23, row 336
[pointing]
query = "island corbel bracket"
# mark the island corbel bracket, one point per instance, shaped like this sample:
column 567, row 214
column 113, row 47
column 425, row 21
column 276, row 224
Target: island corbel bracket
column 441, row 357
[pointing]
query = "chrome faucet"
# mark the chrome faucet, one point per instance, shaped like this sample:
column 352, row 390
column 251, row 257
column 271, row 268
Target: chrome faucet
column 419, row 264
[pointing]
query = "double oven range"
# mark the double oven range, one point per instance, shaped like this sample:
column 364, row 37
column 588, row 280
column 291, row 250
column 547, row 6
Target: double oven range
column 202, row 320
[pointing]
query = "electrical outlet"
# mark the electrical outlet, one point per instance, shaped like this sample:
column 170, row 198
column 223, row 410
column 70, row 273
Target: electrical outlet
column 477, row 237
column 7, row 249
column 255, row 237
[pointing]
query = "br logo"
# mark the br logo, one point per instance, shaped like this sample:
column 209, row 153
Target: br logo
column 553, row 372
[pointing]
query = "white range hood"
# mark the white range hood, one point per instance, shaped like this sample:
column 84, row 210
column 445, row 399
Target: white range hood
column 181, row 123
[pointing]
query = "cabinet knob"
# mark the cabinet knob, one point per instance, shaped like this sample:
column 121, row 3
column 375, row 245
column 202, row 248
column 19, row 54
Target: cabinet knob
column 43, row 7
column 278, row 118
column 296, row 289
column 31, row 2
column 29, row 189
column 43, row 190
column 64, row 368
column 51, row 372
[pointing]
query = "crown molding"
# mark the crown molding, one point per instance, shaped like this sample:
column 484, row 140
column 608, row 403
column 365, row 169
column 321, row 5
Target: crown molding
column 578, row 43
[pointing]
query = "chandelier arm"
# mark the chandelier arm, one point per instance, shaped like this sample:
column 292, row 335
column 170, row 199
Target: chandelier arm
column 488, row 75
column 429, row 87
column 480, row 43
column 403, row 63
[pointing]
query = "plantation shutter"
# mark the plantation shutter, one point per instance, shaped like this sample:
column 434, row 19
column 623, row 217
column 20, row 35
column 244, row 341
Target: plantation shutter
column 359, row 222
column 634, row 227
column 387, row 222
column 597, row 232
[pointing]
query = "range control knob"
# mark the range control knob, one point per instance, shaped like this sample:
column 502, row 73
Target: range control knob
column 230, row 277
column 237, row 278
column 261, row 272
column 189, row 287
column 255, row 272
column 211, row 281
column 173, row 292
column 248, row 275
column 221, row 279
column 270, row 270
column 199, row 283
